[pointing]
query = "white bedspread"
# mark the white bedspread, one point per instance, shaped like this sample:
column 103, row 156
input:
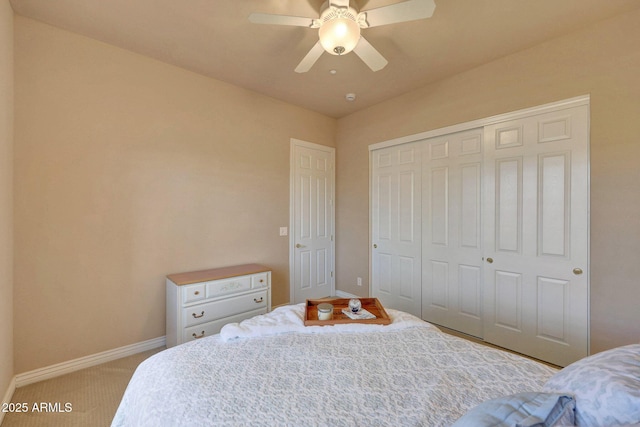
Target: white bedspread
column 272, row 371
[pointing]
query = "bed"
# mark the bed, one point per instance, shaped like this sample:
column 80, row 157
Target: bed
column 271, row 370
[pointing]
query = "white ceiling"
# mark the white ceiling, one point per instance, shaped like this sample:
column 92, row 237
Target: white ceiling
column 215, row 38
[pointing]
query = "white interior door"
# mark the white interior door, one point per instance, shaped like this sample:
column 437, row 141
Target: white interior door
column 536, row 235
column 396, row 225
column 312, row 221
column 452, row 239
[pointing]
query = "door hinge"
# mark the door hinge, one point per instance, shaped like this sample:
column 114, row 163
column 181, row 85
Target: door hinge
column 332, row 274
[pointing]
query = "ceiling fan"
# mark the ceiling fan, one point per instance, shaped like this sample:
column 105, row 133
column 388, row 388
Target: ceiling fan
column 339, row 28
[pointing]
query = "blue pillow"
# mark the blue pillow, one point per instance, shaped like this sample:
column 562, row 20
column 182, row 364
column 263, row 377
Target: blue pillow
column 534, row 409
column 606, row 387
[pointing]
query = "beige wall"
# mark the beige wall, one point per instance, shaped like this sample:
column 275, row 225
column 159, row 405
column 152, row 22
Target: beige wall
column 604, row 61
column 128, row 169
column 6, row 196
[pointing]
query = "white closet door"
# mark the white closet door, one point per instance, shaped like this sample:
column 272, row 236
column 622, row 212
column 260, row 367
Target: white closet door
column 536, row 235
column 452, row 243
column 395, row 209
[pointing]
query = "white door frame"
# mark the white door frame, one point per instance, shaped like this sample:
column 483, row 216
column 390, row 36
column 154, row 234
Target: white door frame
column 292, row 238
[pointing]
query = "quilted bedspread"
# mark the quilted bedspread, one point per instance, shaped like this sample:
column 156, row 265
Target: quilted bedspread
column 408, row 374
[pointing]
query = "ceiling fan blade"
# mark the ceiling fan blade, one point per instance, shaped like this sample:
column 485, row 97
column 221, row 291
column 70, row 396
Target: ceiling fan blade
column 310, row 59
column 296, row 21
column 370, row 55
column 409, row 10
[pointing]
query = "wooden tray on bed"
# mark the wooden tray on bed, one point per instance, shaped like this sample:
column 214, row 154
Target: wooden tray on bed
column 370, row 304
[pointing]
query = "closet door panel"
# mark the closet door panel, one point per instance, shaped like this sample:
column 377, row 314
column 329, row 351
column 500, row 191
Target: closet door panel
column 439, row 206
column 508, row 204
column 407, row 207
column 508, row 300
column 396, row 227
column 439, row 288
column 553, row 309
column 406, row 272
column 452, row 237
column 536, row 229
column 470, row 295
column 553, row 218
column 470, row 205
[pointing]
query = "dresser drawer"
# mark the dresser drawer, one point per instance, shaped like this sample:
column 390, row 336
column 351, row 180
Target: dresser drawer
column 212, row 328
column 259, row 281
column 228, row 286
column 206, row 312
column 192, row 293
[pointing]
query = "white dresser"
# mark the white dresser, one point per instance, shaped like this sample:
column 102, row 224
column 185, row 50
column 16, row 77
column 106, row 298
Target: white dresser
column 200, row 303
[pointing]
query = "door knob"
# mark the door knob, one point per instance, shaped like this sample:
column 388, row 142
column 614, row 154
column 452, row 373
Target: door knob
column 577, row 271
column 490, row 260
column 375, row 246
column 298, row 245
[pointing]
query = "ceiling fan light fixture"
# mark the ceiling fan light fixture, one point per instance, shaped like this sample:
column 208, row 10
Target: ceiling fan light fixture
column 339, row 34
column 339, row 27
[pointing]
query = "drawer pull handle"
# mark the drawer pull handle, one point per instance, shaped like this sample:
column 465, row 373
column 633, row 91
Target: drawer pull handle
column 258, row 301
column 196, row 293
column 261, row 280
column 196, row 316
column 198, row 336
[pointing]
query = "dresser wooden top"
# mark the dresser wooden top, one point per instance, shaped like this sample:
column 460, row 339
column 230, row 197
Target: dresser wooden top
column 216, row 273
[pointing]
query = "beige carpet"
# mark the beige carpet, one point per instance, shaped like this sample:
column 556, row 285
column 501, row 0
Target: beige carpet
column 93, row 394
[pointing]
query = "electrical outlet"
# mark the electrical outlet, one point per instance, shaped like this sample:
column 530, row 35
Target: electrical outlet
column 283, row 231
column 359, row 281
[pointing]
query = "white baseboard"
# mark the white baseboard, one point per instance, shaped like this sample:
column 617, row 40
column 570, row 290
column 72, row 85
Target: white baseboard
column 343, row 294
column 8, row 396
column 85, row 362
